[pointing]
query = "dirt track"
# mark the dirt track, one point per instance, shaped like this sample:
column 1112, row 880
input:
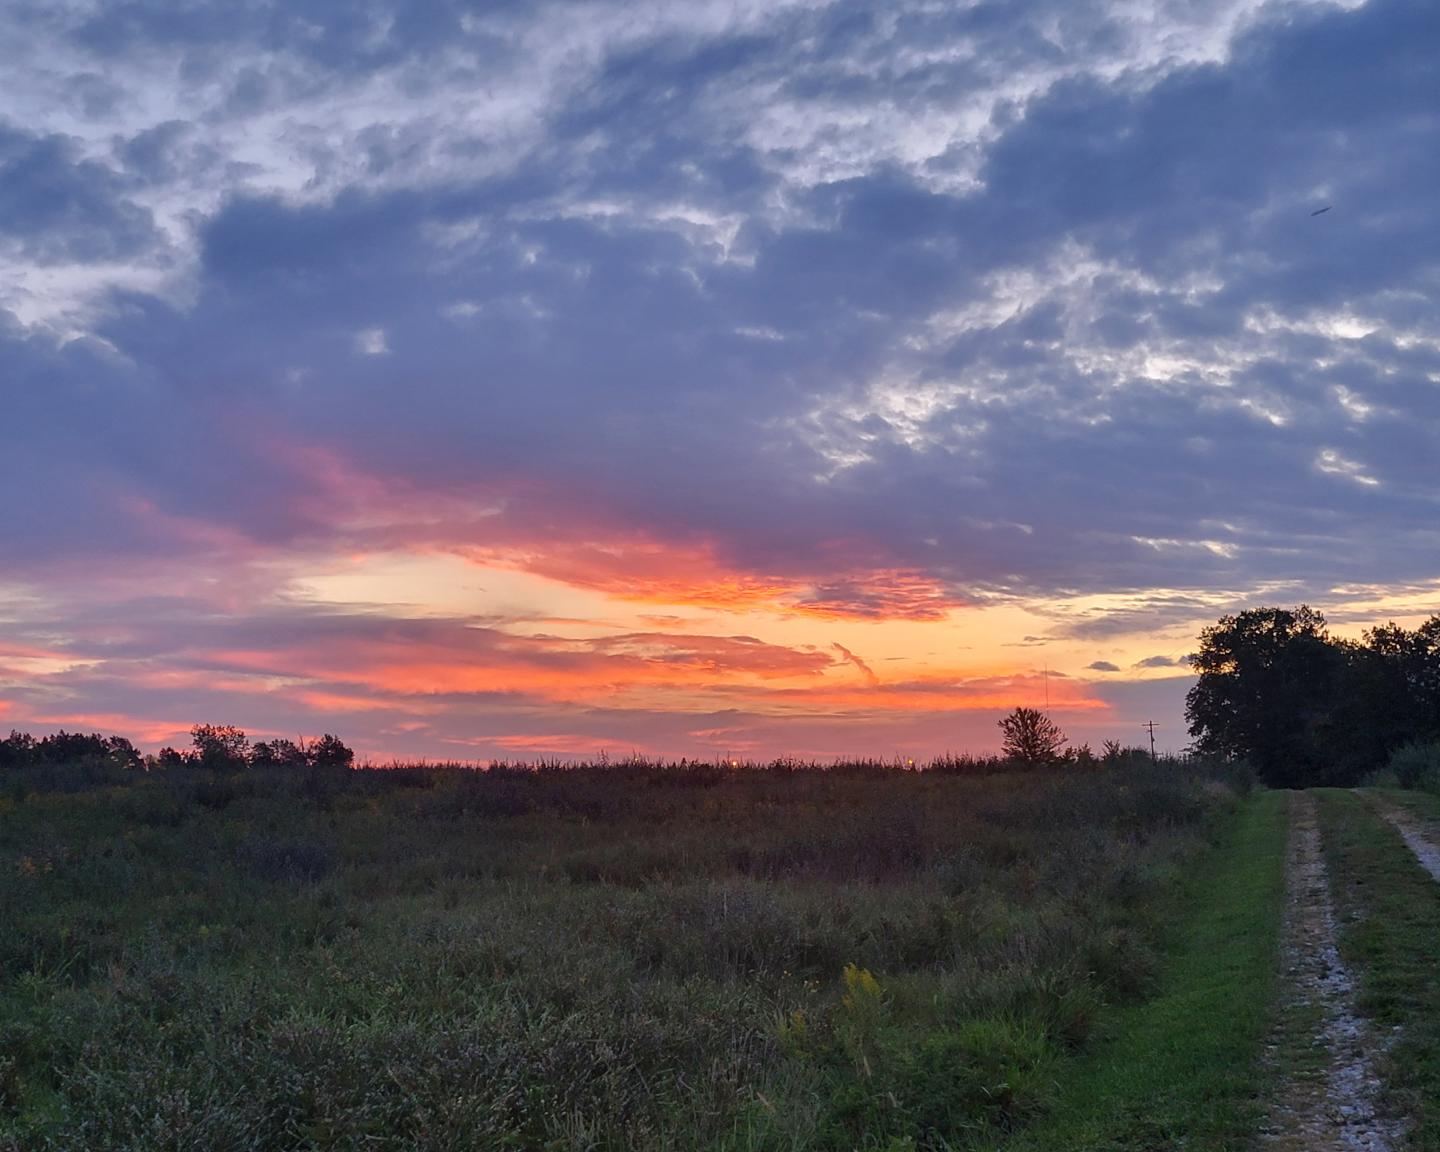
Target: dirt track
column 1330, row 1106
column 1412, row 830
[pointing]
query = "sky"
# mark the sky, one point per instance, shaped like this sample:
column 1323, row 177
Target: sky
column 699, row 378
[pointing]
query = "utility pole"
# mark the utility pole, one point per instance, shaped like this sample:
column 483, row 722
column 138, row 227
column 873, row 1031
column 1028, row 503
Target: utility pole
column 1149, row 726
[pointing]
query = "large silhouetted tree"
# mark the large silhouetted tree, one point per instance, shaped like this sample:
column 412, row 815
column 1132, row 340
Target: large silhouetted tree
column 1306, row 708
column 1271, row 681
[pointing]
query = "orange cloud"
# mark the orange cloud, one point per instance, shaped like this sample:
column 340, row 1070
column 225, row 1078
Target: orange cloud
column 527, row 525
column 646, row 571
column 400, row 666
column 278, row 655
column 562, row 744
column 317, row 700
column 142, row 731
column 440, row 657
column 931, row 693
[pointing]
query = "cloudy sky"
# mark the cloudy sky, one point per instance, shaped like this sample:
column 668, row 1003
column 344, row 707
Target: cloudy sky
column 702, row 376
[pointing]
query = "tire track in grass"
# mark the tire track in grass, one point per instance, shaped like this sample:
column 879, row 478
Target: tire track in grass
column 1329, row 1105
column 1390, row 917
column 1412, row 831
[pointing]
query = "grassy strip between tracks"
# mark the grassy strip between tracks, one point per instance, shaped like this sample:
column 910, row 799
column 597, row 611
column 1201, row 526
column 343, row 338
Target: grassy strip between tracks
column 1390, row 916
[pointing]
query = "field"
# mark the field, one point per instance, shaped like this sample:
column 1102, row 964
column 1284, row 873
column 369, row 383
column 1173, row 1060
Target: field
column 629, row 957
column 640, row 956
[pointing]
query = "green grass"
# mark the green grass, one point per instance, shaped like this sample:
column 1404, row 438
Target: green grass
column 1181, row 1069
column 1390, row 916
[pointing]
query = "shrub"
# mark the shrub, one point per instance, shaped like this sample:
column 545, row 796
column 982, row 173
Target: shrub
column 1417, row 765
column 215, row 793
column 987, row 1076
column 295, row 860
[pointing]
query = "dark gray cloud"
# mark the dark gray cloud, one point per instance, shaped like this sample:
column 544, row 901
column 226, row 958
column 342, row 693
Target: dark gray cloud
column 1103, row 666
column 56, row 206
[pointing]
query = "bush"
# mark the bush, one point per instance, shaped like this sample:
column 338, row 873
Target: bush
column 216, row 793
column 1417, row 765
column 988, row 1076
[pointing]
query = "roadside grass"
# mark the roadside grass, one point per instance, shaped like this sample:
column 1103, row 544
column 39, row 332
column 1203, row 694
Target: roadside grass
column 1183, row 1069
column 1423, row 804
column 1390, row 935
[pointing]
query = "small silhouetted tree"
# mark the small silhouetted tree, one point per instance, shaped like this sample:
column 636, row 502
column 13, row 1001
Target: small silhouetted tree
column 17, row 750
column 1031, row 737
column 330, row 752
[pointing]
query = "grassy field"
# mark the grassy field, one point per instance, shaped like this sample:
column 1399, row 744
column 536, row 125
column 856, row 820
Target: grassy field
column 619, row 957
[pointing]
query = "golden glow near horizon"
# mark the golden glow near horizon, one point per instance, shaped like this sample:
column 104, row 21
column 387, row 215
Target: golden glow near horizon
column 649, row 650
column 424, row 643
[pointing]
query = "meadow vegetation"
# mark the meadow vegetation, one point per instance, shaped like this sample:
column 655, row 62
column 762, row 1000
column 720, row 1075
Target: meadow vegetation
column 609, row 956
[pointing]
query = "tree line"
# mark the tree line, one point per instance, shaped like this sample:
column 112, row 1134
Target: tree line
column 220, row 747
column 1304, row 707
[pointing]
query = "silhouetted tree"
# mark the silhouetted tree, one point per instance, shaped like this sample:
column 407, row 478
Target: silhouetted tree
column 17, row 750
column 1031, row 737
column 220, row 746
column 330, row 752
column 1082, row 756
column 1270, row 681
column 124, row 753
column 279, row 753
column 1402, row 681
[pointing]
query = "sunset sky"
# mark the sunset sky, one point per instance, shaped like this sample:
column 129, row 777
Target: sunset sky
column 691, row 377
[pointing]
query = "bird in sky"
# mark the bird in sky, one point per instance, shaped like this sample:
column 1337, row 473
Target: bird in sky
column 1322, row 211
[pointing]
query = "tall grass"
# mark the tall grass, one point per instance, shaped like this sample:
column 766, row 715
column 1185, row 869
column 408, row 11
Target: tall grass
column 617, row 956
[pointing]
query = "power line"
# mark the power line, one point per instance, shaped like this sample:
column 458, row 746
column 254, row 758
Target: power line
column 1149, row 726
